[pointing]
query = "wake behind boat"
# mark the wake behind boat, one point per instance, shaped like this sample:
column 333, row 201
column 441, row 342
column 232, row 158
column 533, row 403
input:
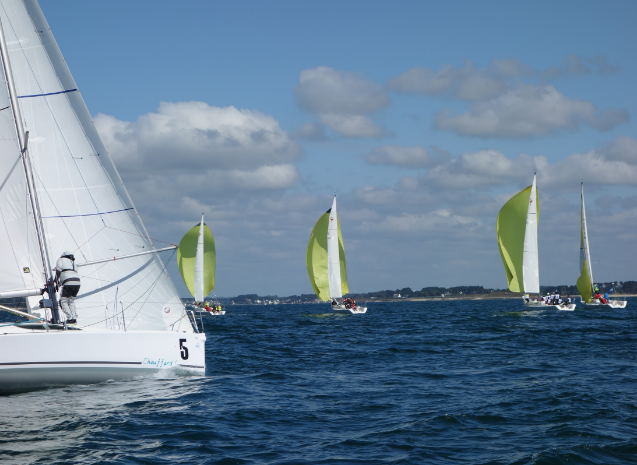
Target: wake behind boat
column 61, row 196
column 590, row 297
column 326, row 266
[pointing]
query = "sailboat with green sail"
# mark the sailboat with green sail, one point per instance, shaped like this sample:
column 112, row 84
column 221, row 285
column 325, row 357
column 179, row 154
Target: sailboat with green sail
column 517, row 240
column 326, row 263
column 585, row 280
column 196, row 258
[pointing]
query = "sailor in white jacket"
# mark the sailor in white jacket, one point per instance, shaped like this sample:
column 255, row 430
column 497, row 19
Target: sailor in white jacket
column 69, row 280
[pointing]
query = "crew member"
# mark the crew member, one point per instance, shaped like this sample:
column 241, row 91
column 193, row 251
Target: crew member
column 69, row 280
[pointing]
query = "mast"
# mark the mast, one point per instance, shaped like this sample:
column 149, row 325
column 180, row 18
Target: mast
column 23, row 138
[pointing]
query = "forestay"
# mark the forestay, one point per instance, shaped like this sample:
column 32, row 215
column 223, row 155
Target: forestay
column 84, row 204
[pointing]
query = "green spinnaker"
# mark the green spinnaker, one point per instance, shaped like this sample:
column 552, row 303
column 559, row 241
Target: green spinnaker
column 316, row 258
column 186, row 254
column 584, row 285
column 511, row 228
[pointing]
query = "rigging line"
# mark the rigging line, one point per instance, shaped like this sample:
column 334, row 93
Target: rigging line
column 90, row 238
column 152, row 287
column 57, row 210
column 135, row 234
column 114, row 283
column 6, row 107
column 136, row 300
column 53, row 114
column 90, row 214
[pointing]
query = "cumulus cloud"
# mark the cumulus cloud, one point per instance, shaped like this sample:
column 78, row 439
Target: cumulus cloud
column 184, row 136
column 528, row 111
column 416, row 157
column 471, row 83
column 342, row 99
column 623, row 148
column 310, row 131
column 466, row 83
column 353, row 125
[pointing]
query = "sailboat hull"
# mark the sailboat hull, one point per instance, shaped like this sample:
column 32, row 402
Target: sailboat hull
column 35, row 359
column 343, row 309
column 611, row 304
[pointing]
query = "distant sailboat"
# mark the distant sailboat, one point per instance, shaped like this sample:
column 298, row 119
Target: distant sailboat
column 326, row 263
column 517, row 239
column 196, row 258
column 585, row 281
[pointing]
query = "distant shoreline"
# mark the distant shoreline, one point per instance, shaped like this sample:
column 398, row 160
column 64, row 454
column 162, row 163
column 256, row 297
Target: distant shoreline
column 472, row 297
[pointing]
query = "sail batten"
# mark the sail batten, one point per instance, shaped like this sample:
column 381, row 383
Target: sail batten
column 76, row 181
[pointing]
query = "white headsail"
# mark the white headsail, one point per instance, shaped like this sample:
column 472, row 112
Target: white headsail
column 333, row 261
column 199, row 265
column 84, row 204
column 530, row 265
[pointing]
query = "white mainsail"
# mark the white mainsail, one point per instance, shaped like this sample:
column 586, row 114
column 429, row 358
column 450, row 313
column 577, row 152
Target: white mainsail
column 20, row 262
column 530, row 265
column 333, row 261
column 83, row 202
column 584, row 251
column 199, row 265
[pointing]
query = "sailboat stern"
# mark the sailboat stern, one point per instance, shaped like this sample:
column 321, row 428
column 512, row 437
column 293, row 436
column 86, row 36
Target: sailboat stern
column 87, row 357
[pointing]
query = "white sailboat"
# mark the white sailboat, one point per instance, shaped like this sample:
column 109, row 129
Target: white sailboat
column 196, row 258
column 326, row 263
column 585, row 281
column 59, row 190
column 517, row 239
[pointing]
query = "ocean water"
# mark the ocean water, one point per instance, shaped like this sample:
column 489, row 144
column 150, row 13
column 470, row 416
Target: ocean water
column 481, row 382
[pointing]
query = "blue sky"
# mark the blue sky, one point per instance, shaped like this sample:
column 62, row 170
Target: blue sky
column 424, row 117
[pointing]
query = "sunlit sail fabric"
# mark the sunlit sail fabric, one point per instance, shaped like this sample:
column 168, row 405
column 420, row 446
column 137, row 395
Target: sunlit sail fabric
column 517, row 248
column 196, row 258
column 318, row 264
column 85, row 206
column 585, row 281
column 20, row 260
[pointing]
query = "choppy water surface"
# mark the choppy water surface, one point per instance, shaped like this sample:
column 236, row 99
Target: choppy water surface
column 422, row 382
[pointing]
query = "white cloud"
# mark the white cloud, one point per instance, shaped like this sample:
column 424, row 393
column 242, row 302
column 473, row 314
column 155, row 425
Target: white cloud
column 416, row 157
column 184, row 136
column 325, row 90
column 473, row 83
column 342, row 99
column 529, row 111
column 467, row 83
column 310, row 131
column 623, row 148
column 353, row 125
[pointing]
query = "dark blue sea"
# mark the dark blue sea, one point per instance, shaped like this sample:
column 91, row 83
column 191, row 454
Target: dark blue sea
column 480, row 382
